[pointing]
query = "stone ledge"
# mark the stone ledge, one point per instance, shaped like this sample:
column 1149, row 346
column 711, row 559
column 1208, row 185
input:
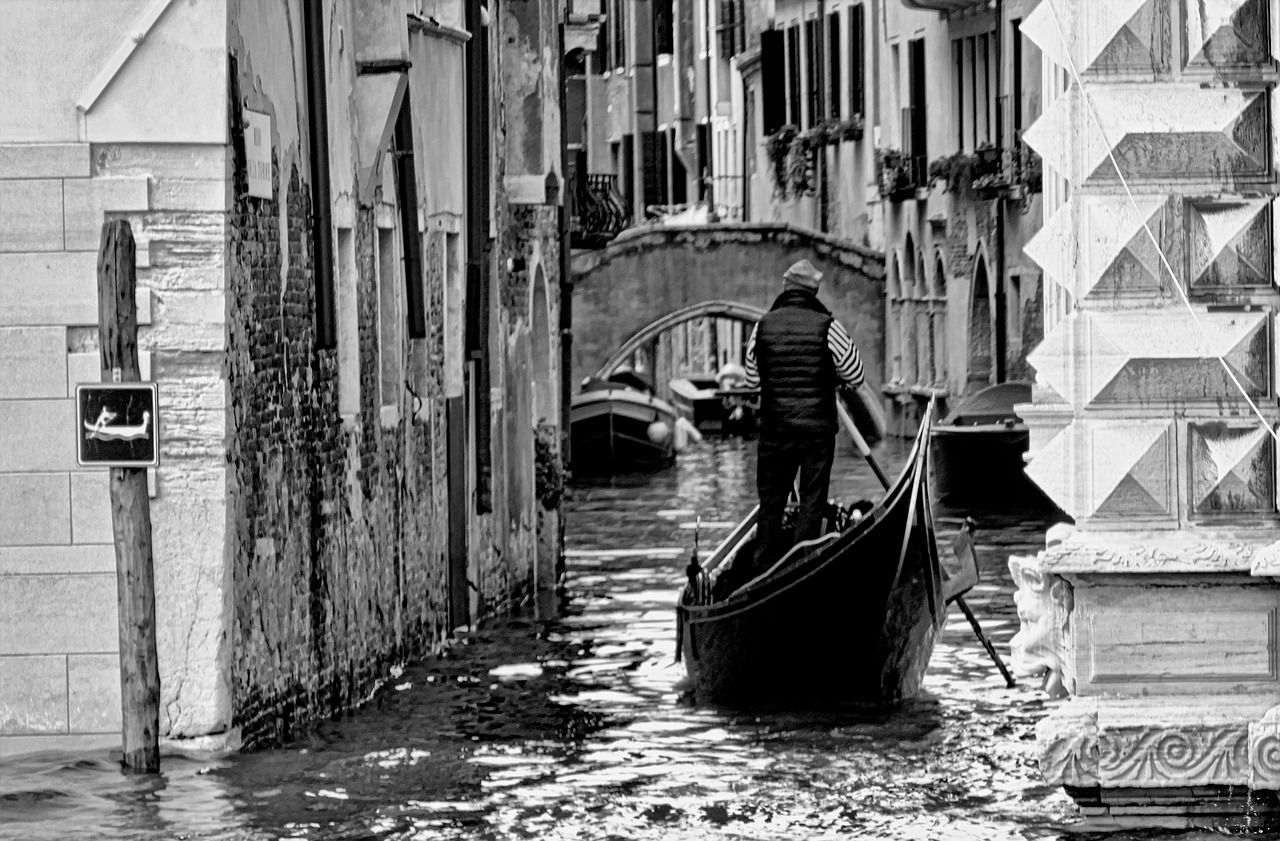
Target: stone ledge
column 1185, row 742
column 1166, row 552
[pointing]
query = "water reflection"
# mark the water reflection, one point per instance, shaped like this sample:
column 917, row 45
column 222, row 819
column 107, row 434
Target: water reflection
column 577, row 728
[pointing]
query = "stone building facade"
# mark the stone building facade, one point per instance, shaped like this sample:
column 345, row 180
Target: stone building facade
column 1154, row 416
column 898, row 125
column 326, row 503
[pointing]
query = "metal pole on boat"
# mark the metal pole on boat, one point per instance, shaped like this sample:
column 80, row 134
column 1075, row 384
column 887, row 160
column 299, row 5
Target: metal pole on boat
column 847, row 421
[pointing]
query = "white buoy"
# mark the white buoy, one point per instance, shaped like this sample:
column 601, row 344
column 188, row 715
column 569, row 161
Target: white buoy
column 659, row 432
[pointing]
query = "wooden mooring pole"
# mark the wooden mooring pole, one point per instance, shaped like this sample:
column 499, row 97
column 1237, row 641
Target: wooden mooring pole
column 130, row 511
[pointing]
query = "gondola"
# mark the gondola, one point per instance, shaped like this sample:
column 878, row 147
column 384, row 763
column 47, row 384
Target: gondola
column 617, row 426
column 849, row 617
column 978, row 458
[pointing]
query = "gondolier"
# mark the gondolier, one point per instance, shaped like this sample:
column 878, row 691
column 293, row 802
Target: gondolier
column 797, row 355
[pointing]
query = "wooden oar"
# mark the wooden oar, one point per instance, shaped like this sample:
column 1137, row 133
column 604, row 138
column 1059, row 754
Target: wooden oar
column 858, row 441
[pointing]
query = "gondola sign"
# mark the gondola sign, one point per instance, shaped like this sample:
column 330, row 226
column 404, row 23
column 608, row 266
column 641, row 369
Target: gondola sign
column 116, row 425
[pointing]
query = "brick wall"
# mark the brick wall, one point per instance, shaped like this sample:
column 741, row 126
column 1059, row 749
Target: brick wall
column 338, row 539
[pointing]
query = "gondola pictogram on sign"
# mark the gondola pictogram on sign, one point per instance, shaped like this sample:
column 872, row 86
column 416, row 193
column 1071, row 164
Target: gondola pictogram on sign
column 116, row 425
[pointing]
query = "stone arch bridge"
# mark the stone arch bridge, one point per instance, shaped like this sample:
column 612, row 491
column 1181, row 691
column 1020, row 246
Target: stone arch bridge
column 651, row 278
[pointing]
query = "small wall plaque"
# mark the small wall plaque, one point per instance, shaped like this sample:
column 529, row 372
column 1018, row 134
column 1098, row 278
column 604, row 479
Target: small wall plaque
column 257, row 147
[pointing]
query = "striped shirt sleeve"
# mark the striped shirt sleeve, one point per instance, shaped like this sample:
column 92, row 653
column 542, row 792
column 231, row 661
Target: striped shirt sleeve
column 749, row 361
column 845, row 354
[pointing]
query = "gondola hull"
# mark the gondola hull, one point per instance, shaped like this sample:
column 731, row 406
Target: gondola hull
column 981, row 470
column 849, row 618
column 612, row 431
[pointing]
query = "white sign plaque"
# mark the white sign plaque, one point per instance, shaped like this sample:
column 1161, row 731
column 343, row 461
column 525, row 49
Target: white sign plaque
column 257, row 147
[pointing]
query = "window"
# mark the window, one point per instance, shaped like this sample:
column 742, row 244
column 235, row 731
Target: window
column 454, row 298
column 618, row 9
column 856, row 60
column 1017, row 77
column 390, row 318
column 663, row 34
column 732, row 28
column 793, row 75
column 773, row 80
column 957, row 57
column 971, row 54
column 812, row 68
column 984, row 47
column 348, row 326
column 917, row 125
column 833, row 65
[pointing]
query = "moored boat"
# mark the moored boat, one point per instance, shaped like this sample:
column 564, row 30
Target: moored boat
column 616, row 426
column 711, row 409
column 851, row 616
column 978, row 458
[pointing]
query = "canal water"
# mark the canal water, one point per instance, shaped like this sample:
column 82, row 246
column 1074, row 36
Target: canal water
column 579, row 727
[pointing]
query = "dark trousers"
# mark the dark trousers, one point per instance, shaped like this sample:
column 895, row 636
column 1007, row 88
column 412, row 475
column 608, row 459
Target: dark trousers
column 776, row 468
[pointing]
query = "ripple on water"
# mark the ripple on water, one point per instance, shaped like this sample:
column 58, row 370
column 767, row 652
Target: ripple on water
column 577, row 728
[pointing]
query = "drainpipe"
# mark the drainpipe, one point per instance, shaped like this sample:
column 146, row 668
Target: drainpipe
column 566, row 300
column 819, row 67
column 321, row 199
column 478, row 275
column 712, row 216
column 1001, row 313
column 566, row 279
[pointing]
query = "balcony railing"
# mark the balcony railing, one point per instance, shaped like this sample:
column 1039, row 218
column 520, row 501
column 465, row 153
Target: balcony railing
column 597, row 212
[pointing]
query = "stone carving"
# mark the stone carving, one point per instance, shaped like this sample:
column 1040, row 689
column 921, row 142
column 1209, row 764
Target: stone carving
column 1132, row 358
column 1155, row 131
column 1069, row 749
column 1229, row 244
column 1231, row 469
column 1228, row 35
column 1165, row 756
column 1043, row 601
column 1264, row 751
column 1231, row 556
column 1266, row 560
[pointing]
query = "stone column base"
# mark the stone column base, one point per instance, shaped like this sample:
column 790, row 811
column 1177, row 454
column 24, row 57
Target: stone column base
column 1184, row 761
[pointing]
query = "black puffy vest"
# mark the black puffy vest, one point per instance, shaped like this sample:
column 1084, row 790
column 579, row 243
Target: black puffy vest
column 797, row 374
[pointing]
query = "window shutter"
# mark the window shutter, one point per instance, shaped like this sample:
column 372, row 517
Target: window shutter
column 773, row 80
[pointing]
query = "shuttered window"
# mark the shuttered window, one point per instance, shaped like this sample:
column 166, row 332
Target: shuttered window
column 856, row 60
column 773, row 80
column 793, row 75
column 833, row 65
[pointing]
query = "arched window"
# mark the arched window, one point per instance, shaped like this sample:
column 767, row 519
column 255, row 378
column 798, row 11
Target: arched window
column 907, row 316
column 893, row 314
column 939, row 316
column 924, row 333
column 980, row 336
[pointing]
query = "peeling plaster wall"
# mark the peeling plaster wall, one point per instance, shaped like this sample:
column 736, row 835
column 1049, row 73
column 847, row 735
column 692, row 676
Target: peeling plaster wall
column 527, row 233
column 338, row 545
